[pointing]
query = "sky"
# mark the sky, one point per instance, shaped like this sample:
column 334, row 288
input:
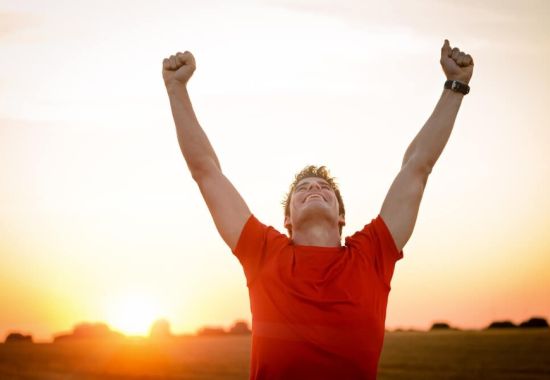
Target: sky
column 100, row 219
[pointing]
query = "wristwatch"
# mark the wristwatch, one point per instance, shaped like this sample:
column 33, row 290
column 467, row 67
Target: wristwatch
column 457, row 86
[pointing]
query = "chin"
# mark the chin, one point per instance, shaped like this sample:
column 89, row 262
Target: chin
column 318, row 213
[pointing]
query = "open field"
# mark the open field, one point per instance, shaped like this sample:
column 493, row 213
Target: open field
column 492, row 354
column 496, row 354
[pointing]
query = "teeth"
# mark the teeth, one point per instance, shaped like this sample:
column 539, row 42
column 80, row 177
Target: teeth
column 314, row 195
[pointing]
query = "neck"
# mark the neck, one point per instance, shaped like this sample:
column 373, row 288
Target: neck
column 316, row 234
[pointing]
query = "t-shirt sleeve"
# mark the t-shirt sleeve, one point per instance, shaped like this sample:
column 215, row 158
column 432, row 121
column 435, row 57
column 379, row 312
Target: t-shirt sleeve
column 253, row 247
column 375, row 240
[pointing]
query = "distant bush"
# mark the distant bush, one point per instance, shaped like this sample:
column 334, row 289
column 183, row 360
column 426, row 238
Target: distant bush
column 160, row 330
column 239, row 327
column 534, row 322
column 211, row 331
column 440, row 326
column 18, row 338
column 502, row 325
column 86, row 331
column 399, row 329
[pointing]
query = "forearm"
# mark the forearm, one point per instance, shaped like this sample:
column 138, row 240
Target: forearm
column 428, row 144
column 193, row 142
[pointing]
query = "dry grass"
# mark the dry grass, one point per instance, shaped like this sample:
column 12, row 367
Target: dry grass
column 493, row 354
column 406, row 355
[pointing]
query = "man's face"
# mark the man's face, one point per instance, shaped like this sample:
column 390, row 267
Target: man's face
column 313, row 198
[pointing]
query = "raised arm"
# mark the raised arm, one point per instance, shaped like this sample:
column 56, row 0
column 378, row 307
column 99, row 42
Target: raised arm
column 224, row 202
column 400, row 207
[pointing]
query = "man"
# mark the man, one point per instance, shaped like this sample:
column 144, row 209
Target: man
column 318, row 307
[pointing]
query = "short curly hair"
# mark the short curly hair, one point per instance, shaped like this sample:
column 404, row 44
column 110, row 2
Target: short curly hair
column 319, row 172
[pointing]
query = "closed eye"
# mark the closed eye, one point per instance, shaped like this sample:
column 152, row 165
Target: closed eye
column 302, row 187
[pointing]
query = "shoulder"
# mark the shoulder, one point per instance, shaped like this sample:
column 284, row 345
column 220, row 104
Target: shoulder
column 255, row 234
column 256, row 246
column 375, row 235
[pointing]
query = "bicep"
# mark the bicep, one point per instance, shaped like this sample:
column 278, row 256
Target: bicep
column 228, row 209
column 401, row 205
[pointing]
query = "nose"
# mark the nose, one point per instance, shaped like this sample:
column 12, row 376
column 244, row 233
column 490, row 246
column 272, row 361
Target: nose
column 314, row 184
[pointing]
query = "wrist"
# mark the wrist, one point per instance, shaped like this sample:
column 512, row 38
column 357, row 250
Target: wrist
column 464, row 80
column 456, row 85
column 174, row 87
column 450, row 94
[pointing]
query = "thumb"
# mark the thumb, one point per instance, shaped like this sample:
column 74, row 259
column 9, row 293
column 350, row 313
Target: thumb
column 446, row 50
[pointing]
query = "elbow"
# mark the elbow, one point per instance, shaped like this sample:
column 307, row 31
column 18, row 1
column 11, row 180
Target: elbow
column 203, row 169
column 197, row 175
column 419, row 163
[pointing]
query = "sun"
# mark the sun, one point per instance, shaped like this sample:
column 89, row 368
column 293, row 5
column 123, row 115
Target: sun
column 133, row 315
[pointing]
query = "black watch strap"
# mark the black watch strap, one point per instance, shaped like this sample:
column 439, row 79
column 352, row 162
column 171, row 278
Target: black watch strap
column 457, row 86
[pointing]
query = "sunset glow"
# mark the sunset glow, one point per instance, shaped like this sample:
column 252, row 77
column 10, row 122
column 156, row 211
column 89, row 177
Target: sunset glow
column 95, row 196
column 133, row 315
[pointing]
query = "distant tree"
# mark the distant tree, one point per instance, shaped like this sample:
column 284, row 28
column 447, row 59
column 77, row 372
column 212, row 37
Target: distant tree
column 440, row 326
column 211, row 331
column 240, row 327
column 502, row 325
column 85, row 331
column 18, row 338
column 534, row 322
column 160, row 330
column 91, row 330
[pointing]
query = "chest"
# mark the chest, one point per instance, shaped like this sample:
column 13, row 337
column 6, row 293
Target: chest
column 340, row 287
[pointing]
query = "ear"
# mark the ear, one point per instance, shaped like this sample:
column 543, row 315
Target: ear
column 287, row 222
column 288, row 226
column 341, row 220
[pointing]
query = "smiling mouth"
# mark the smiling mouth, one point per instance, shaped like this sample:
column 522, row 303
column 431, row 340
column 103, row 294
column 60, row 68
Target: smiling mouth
column 313, row 196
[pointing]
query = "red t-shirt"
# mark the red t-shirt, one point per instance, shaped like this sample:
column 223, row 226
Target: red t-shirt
column 317, row 312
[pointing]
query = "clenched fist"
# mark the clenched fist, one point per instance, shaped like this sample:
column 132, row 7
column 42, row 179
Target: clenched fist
column 178, row 68
column 456, row 65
